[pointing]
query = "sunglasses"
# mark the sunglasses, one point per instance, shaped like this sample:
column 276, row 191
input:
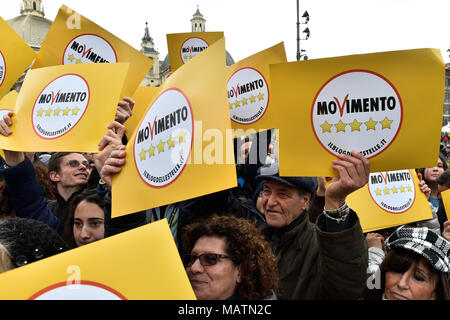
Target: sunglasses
column 206, row 259
column 76, row 164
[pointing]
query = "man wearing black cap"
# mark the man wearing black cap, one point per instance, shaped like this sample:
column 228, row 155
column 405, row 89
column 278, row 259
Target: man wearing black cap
column 326, row 260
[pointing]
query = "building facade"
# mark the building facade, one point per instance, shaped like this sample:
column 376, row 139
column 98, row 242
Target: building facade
column 446, row 117
column 161, row 69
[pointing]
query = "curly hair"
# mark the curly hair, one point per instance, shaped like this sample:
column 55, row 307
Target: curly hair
column 250, row 251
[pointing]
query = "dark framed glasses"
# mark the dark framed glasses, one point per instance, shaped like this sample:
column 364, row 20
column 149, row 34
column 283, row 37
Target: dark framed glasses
column 76, row 164
column 206, row 259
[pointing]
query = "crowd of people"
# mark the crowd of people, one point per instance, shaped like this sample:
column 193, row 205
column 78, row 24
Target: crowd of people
column 276, row 238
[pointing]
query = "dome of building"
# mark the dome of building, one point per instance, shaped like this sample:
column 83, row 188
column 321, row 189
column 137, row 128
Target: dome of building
column 31, row 25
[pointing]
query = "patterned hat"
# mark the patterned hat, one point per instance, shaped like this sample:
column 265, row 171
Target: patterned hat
column 434, row 248
column 29, row 240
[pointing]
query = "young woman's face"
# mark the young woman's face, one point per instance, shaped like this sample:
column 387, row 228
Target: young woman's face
column 431, row 174
column 417, row 283
column 89, row 223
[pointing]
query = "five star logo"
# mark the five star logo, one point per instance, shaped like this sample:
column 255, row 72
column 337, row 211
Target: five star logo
column 395, row 190
column 60, row 106
column 171, row 142
column 363, row 119
column 71, row 57
column 245, row 101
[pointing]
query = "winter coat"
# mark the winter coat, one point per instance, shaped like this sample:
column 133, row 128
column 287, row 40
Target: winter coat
column 316, row 264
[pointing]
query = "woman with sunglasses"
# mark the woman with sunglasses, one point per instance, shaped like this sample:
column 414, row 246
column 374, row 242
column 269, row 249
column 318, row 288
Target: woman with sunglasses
column 229, row 259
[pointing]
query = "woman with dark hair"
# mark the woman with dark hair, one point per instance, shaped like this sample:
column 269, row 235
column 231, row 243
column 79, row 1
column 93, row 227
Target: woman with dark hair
column 416, row 267
column 85, row 221
column 430, row 176
column 229, row 259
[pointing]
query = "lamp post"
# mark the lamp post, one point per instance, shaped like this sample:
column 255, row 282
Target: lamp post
column 300, row 51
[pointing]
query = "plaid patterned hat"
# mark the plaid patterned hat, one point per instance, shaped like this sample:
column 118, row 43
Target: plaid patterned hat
column 434, row 248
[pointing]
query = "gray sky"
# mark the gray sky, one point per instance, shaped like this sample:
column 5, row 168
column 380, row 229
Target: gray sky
column 337, row 28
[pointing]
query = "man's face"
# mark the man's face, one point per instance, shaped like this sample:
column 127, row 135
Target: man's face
column 74, row 170
column 282, row 204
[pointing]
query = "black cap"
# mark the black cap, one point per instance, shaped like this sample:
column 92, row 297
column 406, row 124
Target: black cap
column 270, row 172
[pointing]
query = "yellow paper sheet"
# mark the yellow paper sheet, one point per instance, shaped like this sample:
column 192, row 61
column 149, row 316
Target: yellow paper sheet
column 183, row 47
column 142, row 98
column 390, row 199
column 120, row 267
column 183, row 147
column 15, row 57
column 372, row 103
column 446, row 200
column 74, row 39
column 249, row 91
column 65, row 108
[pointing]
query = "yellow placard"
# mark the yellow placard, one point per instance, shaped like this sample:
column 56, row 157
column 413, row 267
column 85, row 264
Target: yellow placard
column 142, row 98
column 183, row 47
column 183, row 146
column 446, row 200
column 371, row 103
column 9, row 101
column 121, row 267
column 74, row 39
column 390, row 199
column 15, row 57
column 65, row 108
column 249, row 91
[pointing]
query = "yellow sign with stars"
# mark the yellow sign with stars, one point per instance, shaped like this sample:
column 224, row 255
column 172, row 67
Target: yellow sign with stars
column 180, row 149
column 74, row 39
column 249, row 91
column 121, row 267
column 65, row 108
column 15, row 57
column 183, row 47
column 390, row 199
column 371, row 103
